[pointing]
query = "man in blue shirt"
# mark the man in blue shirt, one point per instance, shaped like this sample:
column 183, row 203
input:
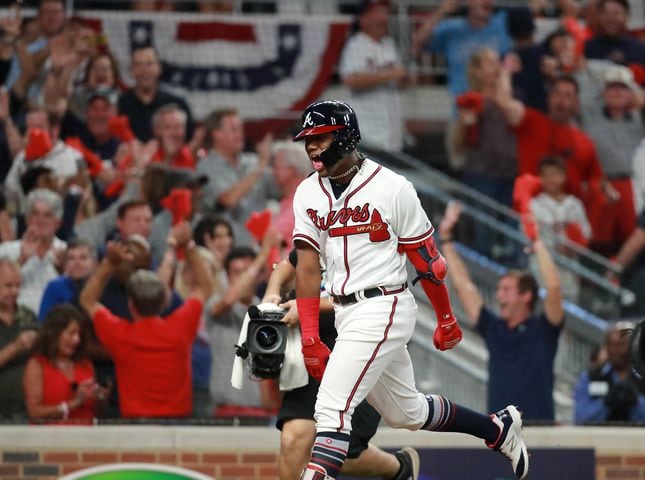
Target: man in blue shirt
column 521, row 343
column 611, row 392
column 79, row 262
column 51, row 20
column 458, row 38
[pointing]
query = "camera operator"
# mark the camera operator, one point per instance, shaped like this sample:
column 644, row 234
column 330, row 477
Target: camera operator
column 611, row 392
column 296, row 415
column 224, row 317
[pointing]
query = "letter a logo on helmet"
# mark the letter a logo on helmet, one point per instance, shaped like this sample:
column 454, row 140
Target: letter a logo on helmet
column 331, row 116
column 316, row 123
column 308, row 121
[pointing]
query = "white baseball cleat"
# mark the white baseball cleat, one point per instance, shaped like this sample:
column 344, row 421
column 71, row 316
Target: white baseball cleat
column 510, row 441
column 315, row 472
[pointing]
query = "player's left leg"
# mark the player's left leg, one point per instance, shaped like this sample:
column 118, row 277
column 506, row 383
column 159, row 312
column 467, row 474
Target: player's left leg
column 396, row 398
column 398, row 402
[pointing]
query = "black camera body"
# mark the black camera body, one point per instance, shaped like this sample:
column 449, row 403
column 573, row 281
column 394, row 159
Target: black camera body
column 266, row 342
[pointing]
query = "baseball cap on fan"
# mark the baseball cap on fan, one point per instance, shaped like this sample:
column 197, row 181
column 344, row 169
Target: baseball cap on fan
column 106, row 93
column 619, row 75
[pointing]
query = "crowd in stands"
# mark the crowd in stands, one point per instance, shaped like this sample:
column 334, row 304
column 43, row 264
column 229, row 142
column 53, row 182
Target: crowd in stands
column 133, row 236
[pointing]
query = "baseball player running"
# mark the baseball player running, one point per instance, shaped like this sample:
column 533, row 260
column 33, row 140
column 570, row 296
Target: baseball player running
column 295, row 418
column 362, row 218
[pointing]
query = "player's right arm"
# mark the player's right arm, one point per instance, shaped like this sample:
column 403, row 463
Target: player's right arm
column 306, row 238
column 469, row 296
column 308, row 277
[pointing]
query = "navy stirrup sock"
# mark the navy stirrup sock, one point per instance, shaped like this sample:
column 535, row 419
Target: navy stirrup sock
column 329, row 452
column 446, row 416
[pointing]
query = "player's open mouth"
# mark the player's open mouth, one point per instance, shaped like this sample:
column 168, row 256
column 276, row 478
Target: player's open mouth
column 316, row 163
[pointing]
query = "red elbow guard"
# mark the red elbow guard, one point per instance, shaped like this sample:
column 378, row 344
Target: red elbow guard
column 426, row 258
column 432, row 269
column 439, row 268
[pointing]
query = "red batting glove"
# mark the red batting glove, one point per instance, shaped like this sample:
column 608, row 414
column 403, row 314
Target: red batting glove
column 316, row 355
column 447, row 334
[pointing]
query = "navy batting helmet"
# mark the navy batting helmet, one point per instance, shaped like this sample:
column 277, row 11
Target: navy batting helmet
column 329, row 116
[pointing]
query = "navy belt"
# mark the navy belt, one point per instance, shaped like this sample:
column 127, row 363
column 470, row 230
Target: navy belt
column 368, row 293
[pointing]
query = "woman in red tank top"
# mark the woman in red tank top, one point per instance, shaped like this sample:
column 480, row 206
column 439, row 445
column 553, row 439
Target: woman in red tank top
column 59, row 380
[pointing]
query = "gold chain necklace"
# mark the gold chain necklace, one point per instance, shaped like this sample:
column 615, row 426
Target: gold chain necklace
column 353, row 169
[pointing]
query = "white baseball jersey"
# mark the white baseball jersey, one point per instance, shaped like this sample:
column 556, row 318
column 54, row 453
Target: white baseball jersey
column 358, row 234
column 552, row 216
column 379, row 108
column 62, row 160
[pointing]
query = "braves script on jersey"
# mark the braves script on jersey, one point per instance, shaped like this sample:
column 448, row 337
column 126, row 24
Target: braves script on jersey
column 358, row 234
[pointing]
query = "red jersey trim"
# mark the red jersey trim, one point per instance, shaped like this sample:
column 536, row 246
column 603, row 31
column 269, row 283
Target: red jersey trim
column 327, row 194
column 367, row 180
column 307, row 239
column 418, row 238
